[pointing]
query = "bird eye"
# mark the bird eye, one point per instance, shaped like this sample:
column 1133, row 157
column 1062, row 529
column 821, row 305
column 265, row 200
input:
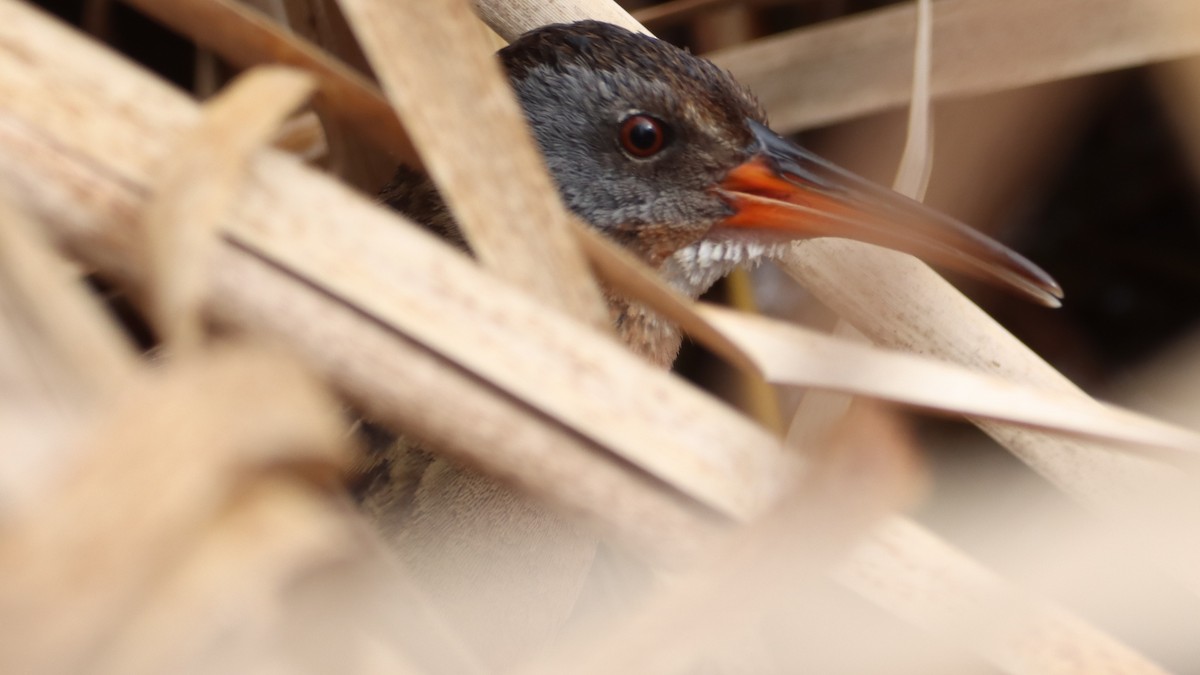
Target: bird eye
column 643, row 136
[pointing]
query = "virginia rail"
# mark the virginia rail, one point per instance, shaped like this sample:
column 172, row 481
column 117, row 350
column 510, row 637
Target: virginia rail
column 666, row 154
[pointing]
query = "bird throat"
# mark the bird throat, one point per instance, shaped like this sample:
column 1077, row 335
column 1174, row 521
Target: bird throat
column 691, row 270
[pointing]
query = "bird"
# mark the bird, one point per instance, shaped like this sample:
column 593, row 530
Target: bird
column 667, row 155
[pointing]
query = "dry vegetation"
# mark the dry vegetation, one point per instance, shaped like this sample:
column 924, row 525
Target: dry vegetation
column 183, row 509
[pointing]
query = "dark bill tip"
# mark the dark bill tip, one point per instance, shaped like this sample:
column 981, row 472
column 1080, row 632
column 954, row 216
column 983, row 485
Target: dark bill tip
column 788, row 190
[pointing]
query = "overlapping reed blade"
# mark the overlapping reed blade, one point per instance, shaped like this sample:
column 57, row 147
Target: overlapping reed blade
column 916, row 163
column 819, row 409
column 89, row 554
column 510, row 19
column 858, row 65
column 454, row 108
column 1177, row 84
column 212, row 478
column 794, row 355
column 528, row 390
column 246, row 38
column 195, row 193
column 675, row 10
column 475, row 144
column 922, row 579
column 63, row 346
column 787, row 354
column 203, row 462
column 770, row 568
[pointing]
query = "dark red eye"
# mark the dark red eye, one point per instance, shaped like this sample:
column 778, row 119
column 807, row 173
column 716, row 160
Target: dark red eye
column 642, row 136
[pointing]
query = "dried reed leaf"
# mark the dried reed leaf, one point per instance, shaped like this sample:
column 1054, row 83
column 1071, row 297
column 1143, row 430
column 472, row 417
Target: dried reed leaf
column 480, row 549
column 774, row 562
column 673, row 11
column 441, row 301
column 511, row 18
column 629, row 276
column 59, row 356
column 199, row 185
column 174, row 448
column 915, row 575
column 474, row 141
column 525, row 365
column 900, row 303
column 916, row 164
column 858, row 65
column 302, row 136
column 478, row 541
column 74, row 350
column 1177, row 84
column 246, row 38
column 819, row 409
column 789, row 354
column 402, row 383
column 218, row 609
column 353, row 156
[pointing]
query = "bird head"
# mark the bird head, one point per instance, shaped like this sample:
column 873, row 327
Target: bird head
column 667, row 154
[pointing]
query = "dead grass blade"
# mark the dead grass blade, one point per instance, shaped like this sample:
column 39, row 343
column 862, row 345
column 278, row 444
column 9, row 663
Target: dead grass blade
column 900, row 303
column 199, row 185
column 675, row 11
column 776, row 562
column 302, row 136
column 793, row 355
column 164, row 462
column 858, row 65
column 474, row 141
column 67, row 345
column 483, row 547
column 1177, row 85
column 59, row 356
column 246, row 38
column 353, row 156
column 398, row 381
column 920, row 578
column 916, row 165
column 819, row 409
column 511, row 18
column 439, row 302
column 213, row 609
column 631, row 277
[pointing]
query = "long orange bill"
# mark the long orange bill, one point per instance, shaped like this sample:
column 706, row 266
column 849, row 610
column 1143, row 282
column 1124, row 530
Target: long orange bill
column 785, row 189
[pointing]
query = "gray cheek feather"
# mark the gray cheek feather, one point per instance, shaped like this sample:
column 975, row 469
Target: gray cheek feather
column 575, row 117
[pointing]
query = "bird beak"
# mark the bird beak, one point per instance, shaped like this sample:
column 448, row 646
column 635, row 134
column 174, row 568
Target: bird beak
column 787, row 190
